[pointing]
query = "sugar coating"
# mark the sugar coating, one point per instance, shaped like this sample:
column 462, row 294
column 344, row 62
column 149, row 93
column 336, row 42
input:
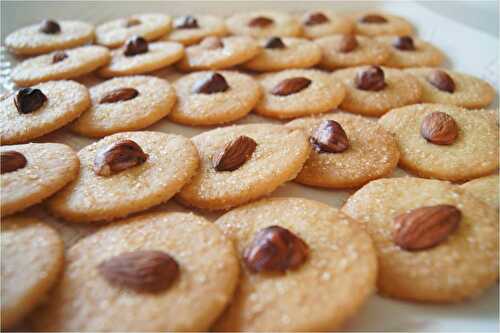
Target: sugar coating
column 485, row 189
column 425, row 54
column 66, row 100
column 32, row 257
column 210, row 109
column 338, row 24
column 473, row 154
column 323, row 94
column 155, row 100
column 337, row 277
column 284, row 25
column 278, row 157
column 85, row 301
column 372, row 153
column 172, row 162
column 209, row 25
column 395, row 25
column 462, row 266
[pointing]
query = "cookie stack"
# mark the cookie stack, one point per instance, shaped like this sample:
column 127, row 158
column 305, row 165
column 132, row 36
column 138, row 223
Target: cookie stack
column 265, row 264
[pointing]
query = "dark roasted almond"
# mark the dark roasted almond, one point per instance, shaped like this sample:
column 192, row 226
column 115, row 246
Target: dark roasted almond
column 441, row 80
column 28, row 100
column 135, row 45
column 234, row 154
column 59, row 56
column 12, row 161
column 119, row 156
column 186, row 22
column 50, row 27
column 373, row 18
column 347, row 43
column 211, row 84
column 119, row 95
column 290, row 86
column 274, row 43
column 329, row 137
column 404, row 43
column 439, row 128
column 371, row 78
column 316, row 18
column 261, row 22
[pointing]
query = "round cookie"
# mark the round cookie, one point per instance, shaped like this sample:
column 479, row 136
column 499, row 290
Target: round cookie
column 380, row 23
column 154, row 100
column 340, row 51
column 331, row 285
column 372, row 153
column 469, row 91
column 409, row 51
column 159, row 55
column 296, row 53
column 32, row 258
column 321, row 23
column 472, row 154
column 320, row 93
column 150, row 26
column 264, row 24
column 60, row 65
column 86, row 301
column 400, row 89
column 207, row 108
column 66, row 100
column 186, row 32
column 219, row 53
column 279, row 155
column 485, row 189
column 172, row 162
column 31, row 40
column 459, row 267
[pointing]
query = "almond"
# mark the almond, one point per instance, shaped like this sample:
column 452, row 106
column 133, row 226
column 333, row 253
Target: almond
column 329, row 137
column 28, row 100
column 442, row 81
column 12, row 161
column 211, row 84
column 136, row 45
column 347, row 43
column 274, row 43
column 373, row 18
column 261, row 22
column 117, row 157
column 316, row 18
column 119, row 95
column 59, row 56
column 371, row 78
column 404, row 43
column 439, row 128
column 290, row 86
column 234, row 154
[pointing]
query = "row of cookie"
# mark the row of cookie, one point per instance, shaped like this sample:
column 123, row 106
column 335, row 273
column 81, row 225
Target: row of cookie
column 50, row 35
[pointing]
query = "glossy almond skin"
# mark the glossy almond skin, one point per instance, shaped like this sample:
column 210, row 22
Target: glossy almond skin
column 371, row 78
column 119, row 95
column 439, row 128
column 214, row 83
column 290, row 86
column 119, row 156
column 329, row 137
column 442, row 81
column 316, row 18
column 234, row 154
column 12, row 161
column 260, row 22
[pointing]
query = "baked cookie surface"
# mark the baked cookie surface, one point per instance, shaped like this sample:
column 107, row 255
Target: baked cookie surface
column 485, row 189
column 409, row 51
column 189, row 29
column 375, row 23
column 264, row 24
column 320, row 23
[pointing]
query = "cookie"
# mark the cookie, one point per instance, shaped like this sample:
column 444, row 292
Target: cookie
column 125, row 104
column 444, row 141
column 48, row 36
column 339, row 256
column 242, row 163
column 444, row 86
column 368, row 151
column 60, row 65
column 373, row 90
column 42, row 109
column 189, row 29
column 192, row 255
column 126, row 173
column 264, row 24
column 321, row 23
column 485, row 189
column 298, row 92
column 32, row 258
column 375, row 23
column 418, row 260
column 284, row 53
column 339, row 51
column 150, row 26
column 219, row 53
column 210, row 98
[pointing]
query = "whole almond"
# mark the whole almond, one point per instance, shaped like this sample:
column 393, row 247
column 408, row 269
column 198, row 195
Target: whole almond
column 117, row 157
column 11, row 161
column 439, row 128
column 132, row 22
column 234, row 154
column 260, row 22
column 274, row 43
column 59, row 56
column 442, row 81
column 373, row 18
column 50, row 27
column 186, row 22
column 28, row 100
column 211, row 84
column 135, row 45
column 371, row 78
column 404, row 43
column 347, row 43
column 316, row 18
column 329, row 137
column 425, row 227
column 290, row 86
column 119, row 95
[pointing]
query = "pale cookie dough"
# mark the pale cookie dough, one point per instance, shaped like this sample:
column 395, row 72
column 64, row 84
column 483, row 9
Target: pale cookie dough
column 470, row 92
column 199, row 109
column 372, row 153
column 31, row 41
column 336, row 24
column 278, row 157
column 298, row 53
column 323, row 94
column 208, row 25
column 425, row 54
column 79, row 61
column 485, row 189
column 66, row 100
column 337, row 277
column 208, row 275
column 473, row 154
column 394, row 25
column 150, row 26
column 172, row 162
column 460, row 267
column 155, row 99
column 281, row 24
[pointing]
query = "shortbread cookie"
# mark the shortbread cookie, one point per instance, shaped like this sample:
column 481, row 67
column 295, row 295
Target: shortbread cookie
column 485, row 189
column 242, row 163
column 284, row 53
column 335, row 274
column 126, row 173
column 125, row 104
column 448, row 87
column 264, row 24
column 299, row 92
column 150, row 26
column 444, row 141
column 320, row 23
column 179, row 273
column 366, row 151
column 210, row 98
column 434, row 242
column 340, row 51
column 41, row 109
column 219, row 53
column 190, row 29
column 60, row 65
column 48, row 36
column 32, row 257
column 373, row 90
column 378, row 23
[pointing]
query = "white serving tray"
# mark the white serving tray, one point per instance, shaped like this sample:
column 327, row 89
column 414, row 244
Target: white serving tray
column 469, row 50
